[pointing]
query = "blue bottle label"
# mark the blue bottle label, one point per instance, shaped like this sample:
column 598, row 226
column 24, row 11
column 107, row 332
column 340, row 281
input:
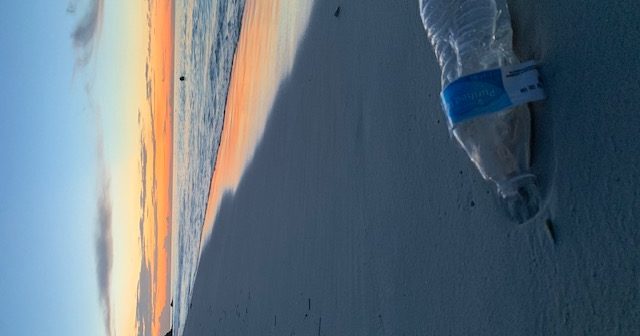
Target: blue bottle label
column 491, row 91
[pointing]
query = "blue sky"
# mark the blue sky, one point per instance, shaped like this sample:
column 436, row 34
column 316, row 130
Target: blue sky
column 47, row 177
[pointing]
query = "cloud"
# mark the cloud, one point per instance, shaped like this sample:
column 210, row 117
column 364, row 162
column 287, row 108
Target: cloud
column 144, row 300
column 87, row 30
column 85, row 36
column 104, row 238
column 144, row 294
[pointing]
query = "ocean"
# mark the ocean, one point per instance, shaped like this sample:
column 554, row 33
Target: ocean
column 206, row 35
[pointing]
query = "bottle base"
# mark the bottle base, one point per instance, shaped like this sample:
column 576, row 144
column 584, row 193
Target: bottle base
column 521, row 197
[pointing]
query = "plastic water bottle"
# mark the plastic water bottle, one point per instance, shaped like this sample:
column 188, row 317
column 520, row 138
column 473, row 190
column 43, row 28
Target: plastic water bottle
column 485, row 91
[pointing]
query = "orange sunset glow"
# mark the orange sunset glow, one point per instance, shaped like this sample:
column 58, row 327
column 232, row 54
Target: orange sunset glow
column 156, row 161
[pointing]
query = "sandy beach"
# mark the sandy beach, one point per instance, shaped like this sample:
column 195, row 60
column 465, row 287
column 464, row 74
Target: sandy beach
column 359, row 215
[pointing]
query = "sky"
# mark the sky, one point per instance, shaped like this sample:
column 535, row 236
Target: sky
column 85, row 191
column 86, row 147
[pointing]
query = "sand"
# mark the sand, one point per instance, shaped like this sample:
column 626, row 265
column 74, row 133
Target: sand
column 360, row 216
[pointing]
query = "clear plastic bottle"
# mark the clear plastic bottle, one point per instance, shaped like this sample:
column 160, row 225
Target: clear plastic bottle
column 469, row 37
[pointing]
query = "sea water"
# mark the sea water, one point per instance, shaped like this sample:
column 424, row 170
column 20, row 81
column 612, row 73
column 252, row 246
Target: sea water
column 206, row 36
